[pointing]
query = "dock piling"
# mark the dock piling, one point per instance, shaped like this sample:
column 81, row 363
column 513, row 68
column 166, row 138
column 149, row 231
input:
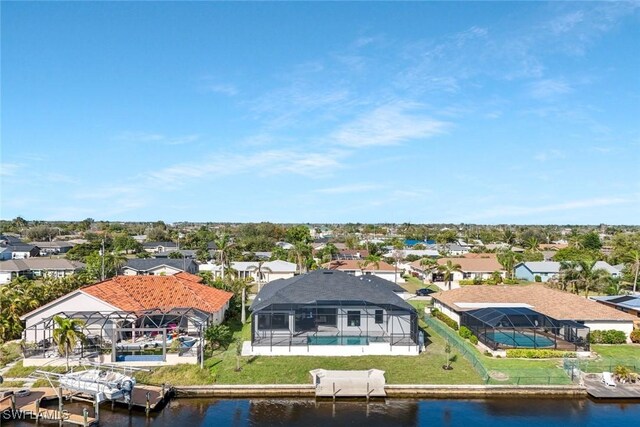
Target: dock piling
column 85, row 417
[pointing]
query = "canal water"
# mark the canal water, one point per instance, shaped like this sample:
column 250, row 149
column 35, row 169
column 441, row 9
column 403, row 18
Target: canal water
column 393, row 412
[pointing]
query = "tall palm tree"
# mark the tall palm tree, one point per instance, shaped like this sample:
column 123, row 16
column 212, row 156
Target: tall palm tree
column 632, row 258
column 447, row 270
column 429, row 264
column 508, row 260
column 67, row 334
column 532, row 244
column 224, row 244
column 301, row 251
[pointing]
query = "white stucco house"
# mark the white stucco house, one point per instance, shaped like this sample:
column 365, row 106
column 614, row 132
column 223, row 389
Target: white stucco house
column 382, row 269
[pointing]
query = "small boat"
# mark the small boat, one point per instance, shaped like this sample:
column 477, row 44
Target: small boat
column 112, row 385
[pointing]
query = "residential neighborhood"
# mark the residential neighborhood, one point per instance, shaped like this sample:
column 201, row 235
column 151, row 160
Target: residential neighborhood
column 315, row 213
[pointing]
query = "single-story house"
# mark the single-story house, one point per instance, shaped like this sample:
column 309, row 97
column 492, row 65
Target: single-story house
column 332, row 313
column 129, row 311
column 159, row 266
column 358, row 268
column 404, row 253
column 264, row 272
column 626, row 303
column 547, row 270
column 53, row 248
column 155, row 247
column 186, row 253
column 22, row 250
column 37, row 267
column 470, row 268
column 570, row 313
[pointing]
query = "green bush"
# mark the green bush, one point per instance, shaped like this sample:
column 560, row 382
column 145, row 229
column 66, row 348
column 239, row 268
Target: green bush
column 635, row 336
column 531, row 353
column 465, row 332
column 511, row 281
column 537, row 278
column 473, row 339
column 610, row 336
column 446, row 319
column 466, row 282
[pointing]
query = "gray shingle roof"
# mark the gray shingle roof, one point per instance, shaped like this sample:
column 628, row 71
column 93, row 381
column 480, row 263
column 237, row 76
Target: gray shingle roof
column 328, row 286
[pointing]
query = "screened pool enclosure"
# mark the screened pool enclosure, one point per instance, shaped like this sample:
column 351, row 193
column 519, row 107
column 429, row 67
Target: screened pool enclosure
column 519, row 327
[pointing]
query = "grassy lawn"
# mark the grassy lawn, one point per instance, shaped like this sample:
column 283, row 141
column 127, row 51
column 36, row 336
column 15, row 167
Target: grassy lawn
column 412, row 284
column 19, row 371
column 622, row 351
column 9, row 352
column 220, row 368
column 515, row 371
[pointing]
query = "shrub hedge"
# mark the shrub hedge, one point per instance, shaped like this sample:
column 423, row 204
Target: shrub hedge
column 531, row 353
column 465, row 332
column 610, row 336
column 446, row 319
column 635, row 336
column 473, row 339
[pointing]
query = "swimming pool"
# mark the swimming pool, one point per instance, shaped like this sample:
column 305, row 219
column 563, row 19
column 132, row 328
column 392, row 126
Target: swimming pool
column 337, row 341
column 520, row 339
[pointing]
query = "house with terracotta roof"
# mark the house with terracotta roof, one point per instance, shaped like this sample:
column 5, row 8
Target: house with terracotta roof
column 513, row 316
column 381, row 269
column 129, row 314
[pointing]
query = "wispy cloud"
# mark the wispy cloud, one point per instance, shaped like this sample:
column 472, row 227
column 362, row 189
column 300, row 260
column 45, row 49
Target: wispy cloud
column 262, row 163
column 9, row 169
column 350, row 188
column 552, row 154
column 158, row 138
column 519, row 211
column 224, row 89
column 389, row 124
column 549, row 88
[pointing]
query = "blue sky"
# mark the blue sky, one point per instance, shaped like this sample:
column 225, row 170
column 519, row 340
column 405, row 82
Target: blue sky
column 475, row 112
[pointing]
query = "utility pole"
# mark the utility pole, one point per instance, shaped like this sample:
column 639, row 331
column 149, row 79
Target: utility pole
column 102, row 255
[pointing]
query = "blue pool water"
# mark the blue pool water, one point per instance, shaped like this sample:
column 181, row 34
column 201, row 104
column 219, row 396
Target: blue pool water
column 337, row 340
column 520, row 339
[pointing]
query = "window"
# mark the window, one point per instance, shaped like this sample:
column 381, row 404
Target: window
column 379, row 317
column 353, row 318
column 273, row 321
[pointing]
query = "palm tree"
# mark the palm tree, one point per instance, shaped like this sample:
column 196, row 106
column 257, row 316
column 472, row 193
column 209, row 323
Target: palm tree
column 447, row 270
column 508, row 236
column 633, row 259
column 224, row 244
column 301, row 250
column 67, row 335
column 429, row 264
column 532, row 244
column 508, row 260
column 374, row 260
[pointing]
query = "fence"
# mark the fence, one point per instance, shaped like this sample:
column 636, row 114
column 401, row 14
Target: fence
column 500, row 375
column 608, row 365
column 456, row 341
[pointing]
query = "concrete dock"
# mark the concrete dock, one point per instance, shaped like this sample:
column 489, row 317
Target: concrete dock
column 597, row 390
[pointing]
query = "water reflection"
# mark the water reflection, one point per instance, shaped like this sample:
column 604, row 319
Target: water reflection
column 503, row 412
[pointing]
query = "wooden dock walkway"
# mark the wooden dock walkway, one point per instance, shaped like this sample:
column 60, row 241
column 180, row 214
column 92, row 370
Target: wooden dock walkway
column 597, row 390
column 29, row 408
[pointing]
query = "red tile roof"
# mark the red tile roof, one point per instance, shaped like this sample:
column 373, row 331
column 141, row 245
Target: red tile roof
column 131, row 293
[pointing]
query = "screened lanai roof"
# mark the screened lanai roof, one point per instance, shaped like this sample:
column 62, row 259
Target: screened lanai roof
column 510, row 317
column 153, row 317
